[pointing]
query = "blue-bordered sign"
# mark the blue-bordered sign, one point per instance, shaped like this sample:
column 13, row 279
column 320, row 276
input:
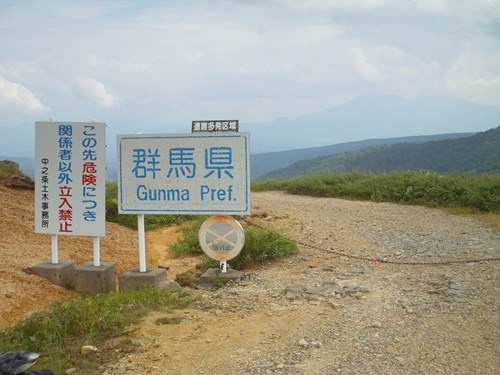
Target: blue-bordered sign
column 184, row 174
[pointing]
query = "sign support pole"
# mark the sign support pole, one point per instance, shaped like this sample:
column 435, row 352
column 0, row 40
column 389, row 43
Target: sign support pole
column 55, row 255
column 97, row 252
column 223, row 266
column 142, row 243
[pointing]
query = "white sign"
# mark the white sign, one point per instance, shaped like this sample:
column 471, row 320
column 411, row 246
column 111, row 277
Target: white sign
column 221, row 237
column 70, row 178
column 184, row 173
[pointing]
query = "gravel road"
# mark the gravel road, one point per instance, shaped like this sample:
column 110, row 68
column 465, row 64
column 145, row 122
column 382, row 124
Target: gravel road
column 321, row 313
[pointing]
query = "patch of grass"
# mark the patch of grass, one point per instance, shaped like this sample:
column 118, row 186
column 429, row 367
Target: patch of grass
column 59, row 332
column 261, row 244
column 492, row 219
column 479, row 193
column 10, row 168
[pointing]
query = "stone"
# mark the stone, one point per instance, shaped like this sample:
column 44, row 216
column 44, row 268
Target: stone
column 313, row 263
column 89, row 349
column 303, row 343
column 169, row 285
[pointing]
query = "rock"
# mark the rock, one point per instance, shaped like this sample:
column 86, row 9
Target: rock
column 169, row 285
column 70, row 371
column 303, row 343
column 295, row 289
column 313, row 263
column 89, row 349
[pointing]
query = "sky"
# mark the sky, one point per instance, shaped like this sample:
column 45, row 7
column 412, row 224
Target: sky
column 155, row 66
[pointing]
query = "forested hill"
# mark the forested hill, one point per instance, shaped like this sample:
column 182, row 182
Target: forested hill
column 270, row 161
column 476, row 154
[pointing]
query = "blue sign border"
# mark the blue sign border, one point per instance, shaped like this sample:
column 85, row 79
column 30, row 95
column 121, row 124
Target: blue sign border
column 180, row 211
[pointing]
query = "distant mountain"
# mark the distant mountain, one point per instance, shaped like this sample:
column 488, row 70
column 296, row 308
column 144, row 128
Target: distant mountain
column 477, row 154
column 372, row 116
column 266, row 162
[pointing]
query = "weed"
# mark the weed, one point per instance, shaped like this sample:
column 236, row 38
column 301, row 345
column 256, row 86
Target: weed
column 60, row 331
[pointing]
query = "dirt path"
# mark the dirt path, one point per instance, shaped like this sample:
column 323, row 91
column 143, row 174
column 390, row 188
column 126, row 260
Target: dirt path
column 319, row 313
column 158, row 244
column 314, row 313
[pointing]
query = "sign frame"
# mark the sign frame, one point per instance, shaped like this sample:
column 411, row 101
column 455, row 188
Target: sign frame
column 176, row 183
column 70, row 178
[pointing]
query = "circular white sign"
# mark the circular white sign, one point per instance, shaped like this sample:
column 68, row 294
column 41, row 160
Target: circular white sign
column 221, row 237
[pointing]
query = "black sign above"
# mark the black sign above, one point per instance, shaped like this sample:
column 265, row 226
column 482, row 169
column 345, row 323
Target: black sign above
column 215, row 126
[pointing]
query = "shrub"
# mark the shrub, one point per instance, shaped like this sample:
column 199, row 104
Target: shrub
column 59, row 332
column 261, row 244
column 410, row 187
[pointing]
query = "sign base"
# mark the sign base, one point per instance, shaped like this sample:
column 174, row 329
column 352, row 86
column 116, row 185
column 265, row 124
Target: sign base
column 214, row 278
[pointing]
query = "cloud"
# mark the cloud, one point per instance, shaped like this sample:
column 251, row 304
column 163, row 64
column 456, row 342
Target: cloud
column 97, row 93
column 15, row 95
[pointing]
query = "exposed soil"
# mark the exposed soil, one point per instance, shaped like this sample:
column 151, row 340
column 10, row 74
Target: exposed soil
column 314, row 313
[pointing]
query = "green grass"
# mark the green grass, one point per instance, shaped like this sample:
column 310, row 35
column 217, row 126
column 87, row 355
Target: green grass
column 59, row 332
column 11, row 169
column 479, row 193
column 261, row 244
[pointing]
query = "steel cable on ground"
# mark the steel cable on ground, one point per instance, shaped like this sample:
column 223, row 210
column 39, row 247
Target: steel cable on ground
column 377, row 260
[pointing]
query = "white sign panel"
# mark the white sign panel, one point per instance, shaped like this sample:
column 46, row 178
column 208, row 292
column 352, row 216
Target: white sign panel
column 70, row 178
column 221, row 238
column 184, row 174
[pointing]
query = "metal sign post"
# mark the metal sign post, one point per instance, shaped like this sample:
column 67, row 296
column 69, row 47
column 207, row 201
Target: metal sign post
column 142, row 243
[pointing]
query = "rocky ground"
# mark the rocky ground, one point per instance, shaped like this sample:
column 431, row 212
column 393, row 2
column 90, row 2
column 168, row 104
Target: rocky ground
column 315, row 313
column 323, row 313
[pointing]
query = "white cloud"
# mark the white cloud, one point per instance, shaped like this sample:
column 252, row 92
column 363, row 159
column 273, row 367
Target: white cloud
column 122, row 66
column 15, row 95
column 367, row 70
column 97, row 92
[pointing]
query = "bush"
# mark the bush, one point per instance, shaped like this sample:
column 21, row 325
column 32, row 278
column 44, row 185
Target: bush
column 59, row 332
column 261, row 244
column 409, row 187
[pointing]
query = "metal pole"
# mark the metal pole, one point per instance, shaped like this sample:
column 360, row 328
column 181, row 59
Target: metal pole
column 223, row 266
column 142, row 243
column 55, row 255
column 97, row 252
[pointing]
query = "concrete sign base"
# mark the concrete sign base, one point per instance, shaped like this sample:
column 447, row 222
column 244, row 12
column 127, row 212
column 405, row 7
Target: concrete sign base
column 213, row 276
column 61, row 273
column 134, row 279
column 92, row 279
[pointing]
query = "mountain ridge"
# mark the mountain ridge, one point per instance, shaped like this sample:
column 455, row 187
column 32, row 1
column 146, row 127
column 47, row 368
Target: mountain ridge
column 476, row 154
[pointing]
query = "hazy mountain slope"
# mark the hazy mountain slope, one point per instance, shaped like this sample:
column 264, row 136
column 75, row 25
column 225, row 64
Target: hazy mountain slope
column 371, row 117
column 267, row 162
column 479, row 153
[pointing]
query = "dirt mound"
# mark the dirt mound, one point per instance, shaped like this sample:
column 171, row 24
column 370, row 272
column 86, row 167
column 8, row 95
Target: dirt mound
column 23, row 293
column 17, row 182
column 20, row 248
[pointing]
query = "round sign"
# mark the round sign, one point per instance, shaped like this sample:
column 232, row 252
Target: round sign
column 221, row 237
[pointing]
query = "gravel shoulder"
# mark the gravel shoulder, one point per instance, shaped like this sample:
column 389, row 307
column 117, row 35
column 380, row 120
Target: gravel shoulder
column 321, row 313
